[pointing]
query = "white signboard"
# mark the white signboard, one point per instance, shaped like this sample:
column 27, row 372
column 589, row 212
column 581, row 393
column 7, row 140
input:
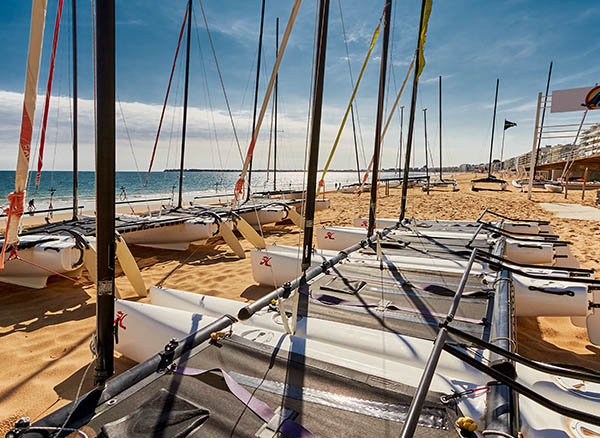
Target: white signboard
column 573, row 99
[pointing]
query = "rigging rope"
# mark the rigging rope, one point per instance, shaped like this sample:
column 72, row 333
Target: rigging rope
column 387, row 123
column 174, row 113
column 209, row 100
column 239, row 185
column 349, row 107
column 15, row 210
column 167, row 95
column 137, row 169
column 355, row 105
column 270, row 140
column 354, row 108
column 48, row 92
column 212, row 47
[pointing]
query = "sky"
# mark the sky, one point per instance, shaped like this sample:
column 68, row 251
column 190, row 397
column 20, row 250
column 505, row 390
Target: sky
column 469, row 43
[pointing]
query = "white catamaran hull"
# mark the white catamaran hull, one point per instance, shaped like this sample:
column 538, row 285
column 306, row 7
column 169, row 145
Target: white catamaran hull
column 511, row 227
column 174, row 237
column 265, row 216
column 338, row 238
column 53, row 254
column 277, row 264
column 145, row 329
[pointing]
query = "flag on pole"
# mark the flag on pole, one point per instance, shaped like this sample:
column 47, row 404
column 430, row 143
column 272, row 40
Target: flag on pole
column 423, row 36
column 508, row 124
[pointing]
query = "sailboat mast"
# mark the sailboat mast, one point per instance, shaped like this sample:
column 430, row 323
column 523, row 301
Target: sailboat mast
column 411, row 118
column 17, row 198
column 185, row 104
column 493, row 128
column 315, row 134
column 387, row 12
column 355, row 143
column 441, row 176
column 276, row 83
column 105, row 188
column 537, row 153
column 426, row 154
column 260, row 38
column 75, row 112
column 400, row 145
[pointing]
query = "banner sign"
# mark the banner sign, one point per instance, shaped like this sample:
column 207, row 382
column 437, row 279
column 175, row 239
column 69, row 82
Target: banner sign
column 575, row 99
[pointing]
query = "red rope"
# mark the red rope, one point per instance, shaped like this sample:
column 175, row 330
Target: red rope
column 167, row 96
column 48, row 91
column 238, row 191
column 14, row 255
column 16, row 208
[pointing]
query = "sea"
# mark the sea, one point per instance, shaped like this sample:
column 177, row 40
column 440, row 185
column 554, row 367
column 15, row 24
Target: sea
column 57, row 186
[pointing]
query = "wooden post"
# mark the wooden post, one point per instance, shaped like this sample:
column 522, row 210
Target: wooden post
column 585, row 175
column 567, row 182
column 534, row 148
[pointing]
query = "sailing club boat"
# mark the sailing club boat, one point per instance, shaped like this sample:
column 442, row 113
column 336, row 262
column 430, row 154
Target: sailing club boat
column 437, row 183
column 346, row 368
column 490, row 179
column 60, row 248
column 173, row 231
column 29, row 260
column 256, row 213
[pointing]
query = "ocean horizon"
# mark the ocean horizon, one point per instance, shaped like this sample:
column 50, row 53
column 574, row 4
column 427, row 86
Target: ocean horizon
column 57, row 186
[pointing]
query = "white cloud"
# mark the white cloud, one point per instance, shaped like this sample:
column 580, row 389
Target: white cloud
column 142, row 122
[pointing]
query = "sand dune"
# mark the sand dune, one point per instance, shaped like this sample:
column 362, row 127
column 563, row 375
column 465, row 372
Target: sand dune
column 45, row 334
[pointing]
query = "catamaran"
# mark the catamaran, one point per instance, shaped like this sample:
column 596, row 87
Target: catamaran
column 320, row 356
column 30, row 260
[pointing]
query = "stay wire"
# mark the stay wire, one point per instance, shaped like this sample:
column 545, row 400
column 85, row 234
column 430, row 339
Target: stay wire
column 270, row 141
column 355, row 103
column 212, row 47
column 211, row 129
column 137, row 168
column 57, row 127
column 178, row 86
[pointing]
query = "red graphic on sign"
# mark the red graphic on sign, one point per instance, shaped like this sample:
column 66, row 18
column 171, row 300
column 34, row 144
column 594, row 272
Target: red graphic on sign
column 266, row 261
column 119, row 320
column 592, row 100
column 329, row 235
column 364, row 223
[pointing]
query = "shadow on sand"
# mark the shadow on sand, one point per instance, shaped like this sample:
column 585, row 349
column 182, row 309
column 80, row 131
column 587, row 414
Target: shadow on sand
column 532, row 345
column 59, row 302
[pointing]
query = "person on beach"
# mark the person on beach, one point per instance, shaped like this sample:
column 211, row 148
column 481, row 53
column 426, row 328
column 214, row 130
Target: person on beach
column 31, row 206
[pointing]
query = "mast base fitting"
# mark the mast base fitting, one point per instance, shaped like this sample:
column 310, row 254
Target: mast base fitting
column 287, row 289
column 167, row 355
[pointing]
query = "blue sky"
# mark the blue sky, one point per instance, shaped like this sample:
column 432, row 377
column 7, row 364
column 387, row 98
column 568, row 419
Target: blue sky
column 470, row 43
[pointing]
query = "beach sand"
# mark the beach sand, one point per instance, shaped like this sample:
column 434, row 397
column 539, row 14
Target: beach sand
column 45, row 334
